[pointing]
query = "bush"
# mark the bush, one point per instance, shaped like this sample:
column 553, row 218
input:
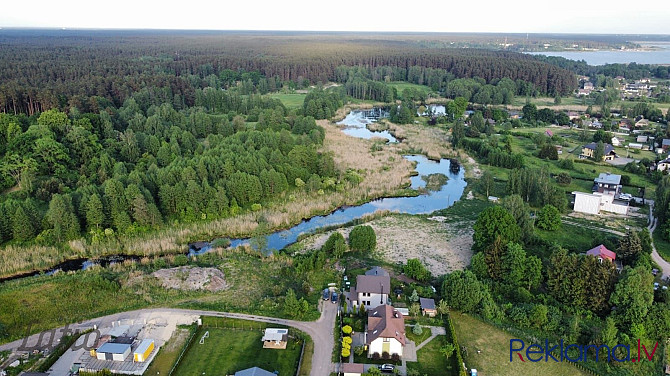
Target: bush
column 376, row 356
column 386, row 355
column 363, row 238
column 346, row 340
column 346, row 353
column 567, row 164
column 563, row 178
column 549, row 218
column 346, row 329
column 417, row 329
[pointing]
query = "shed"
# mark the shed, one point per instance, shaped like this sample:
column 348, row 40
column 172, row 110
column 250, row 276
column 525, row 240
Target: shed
column 143, row 351
column 113, row 351
column 275, row 338
column 352, row 369
column 428, row 307
column 254, row 371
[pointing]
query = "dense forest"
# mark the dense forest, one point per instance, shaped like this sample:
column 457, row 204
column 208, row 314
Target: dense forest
column 41, row 70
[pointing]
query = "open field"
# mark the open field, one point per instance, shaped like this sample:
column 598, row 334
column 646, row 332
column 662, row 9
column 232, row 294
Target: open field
column 493, row 345
column 168, row 354
column 293, row 100
column 256, row 285
column 400, row 86
column 227, row 351
column 575, row 238
column 430, row 361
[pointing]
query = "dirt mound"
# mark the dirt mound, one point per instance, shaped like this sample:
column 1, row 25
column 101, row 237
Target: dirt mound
column 192, row 278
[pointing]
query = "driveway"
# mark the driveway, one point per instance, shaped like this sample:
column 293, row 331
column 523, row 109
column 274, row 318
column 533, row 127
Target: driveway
column 321, row 331
column 664, row 265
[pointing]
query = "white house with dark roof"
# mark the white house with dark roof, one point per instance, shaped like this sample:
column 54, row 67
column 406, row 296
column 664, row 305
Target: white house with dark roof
column 663, row 165
column 370, row 291
column 385, row 332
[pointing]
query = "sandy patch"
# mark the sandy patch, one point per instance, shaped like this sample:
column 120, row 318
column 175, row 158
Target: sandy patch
column 441, row 246
column 192, row 278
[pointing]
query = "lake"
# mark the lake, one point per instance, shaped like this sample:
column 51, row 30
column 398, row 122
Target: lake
column 660, row 56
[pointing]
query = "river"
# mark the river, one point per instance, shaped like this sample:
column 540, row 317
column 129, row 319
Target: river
column 355, row 124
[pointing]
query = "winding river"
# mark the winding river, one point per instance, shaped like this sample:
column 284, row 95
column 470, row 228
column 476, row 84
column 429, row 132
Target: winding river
column 355, row 124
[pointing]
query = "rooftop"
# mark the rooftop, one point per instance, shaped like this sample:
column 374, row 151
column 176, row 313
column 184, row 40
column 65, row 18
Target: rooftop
column 608, row 148
column 352, row 368
column 607, row 178
column 273, row 334
column 113, row 348
column 601, row 251
column 377, row 284
column 144, row 345
column 377, row 271
column 427, row 303
column 254, row 371
column 385, row 322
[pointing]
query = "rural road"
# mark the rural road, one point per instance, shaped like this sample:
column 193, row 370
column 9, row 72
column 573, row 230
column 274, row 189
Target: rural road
column 321, row 331
column 664, row 265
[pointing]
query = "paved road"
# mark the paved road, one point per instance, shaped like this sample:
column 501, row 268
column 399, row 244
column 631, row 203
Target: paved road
column 664, row 265
column 321, row 330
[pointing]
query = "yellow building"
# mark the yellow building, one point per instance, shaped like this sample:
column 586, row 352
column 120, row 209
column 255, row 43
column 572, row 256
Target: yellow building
column 143, row 351
column 589, row 149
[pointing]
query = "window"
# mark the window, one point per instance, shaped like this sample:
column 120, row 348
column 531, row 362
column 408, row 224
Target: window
column 387, row 340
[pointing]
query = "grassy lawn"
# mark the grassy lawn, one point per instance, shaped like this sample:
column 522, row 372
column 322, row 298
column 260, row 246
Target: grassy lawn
column 227, row 351
column 494, row 356
column 430, row 361
column 400, row 86
column 290, row 100
column 168, row 354
column 662, row 245
column 417, row 338
column 576, row 239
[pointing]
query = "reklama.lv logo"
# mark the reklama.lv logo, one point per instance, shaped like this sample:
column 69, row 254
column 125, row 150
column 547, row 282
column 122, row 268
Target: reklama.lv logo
column 575, row 352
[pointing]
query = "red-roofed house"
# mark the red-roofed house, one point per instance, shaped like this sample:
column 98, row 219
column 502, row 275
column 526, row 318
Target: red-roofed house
column 386, row 331
column 549, row 133
column 602, row 253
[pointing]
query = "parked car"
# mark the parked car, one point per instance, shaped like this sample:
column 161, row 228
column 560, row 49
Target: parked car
column 326, row 294
column 386, row 367
column 333, row 298
column 625, row 197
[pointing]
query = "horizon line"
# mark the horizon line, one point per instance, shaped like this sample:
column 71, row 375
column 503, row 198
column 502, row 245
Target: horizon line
column 65, row 28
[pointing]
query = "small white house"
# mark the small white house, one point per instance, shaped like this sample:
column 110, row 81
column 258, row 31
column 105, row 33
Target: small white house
column 593, row 203
column 386, row 331
column 616, row 141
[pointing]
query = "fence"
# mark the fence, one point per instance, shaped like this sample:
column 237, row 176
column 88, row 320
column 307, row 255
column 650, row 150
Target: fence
column 183, row 351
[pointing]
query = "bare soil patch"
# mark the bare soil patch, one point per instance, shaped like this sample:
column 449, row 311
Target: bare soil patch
column 443, row 247
column 192, row 278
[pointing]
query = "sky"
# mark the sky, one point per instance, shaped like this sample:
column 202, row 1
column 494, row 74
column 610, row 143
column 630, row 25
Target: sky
column 513, row 16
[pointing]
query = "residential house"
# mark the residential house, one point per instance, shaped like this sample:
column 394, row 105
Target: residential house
column 370, row 291
column 559, row 149
column 352, row 369
column 665, row 144
column 642, row 123
column 385, row 332
column 428, row 307
column 589, row 149
column 377, row 271
column 635, row 145
column 663, row 165
column 642, row 139
column 588, row 85
column 607, row 183
column 616, row 141
column 593, row 203
column 515, row 115
column 254, row 371
column 572, row 115
column 602, row 253
column 275, row 338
